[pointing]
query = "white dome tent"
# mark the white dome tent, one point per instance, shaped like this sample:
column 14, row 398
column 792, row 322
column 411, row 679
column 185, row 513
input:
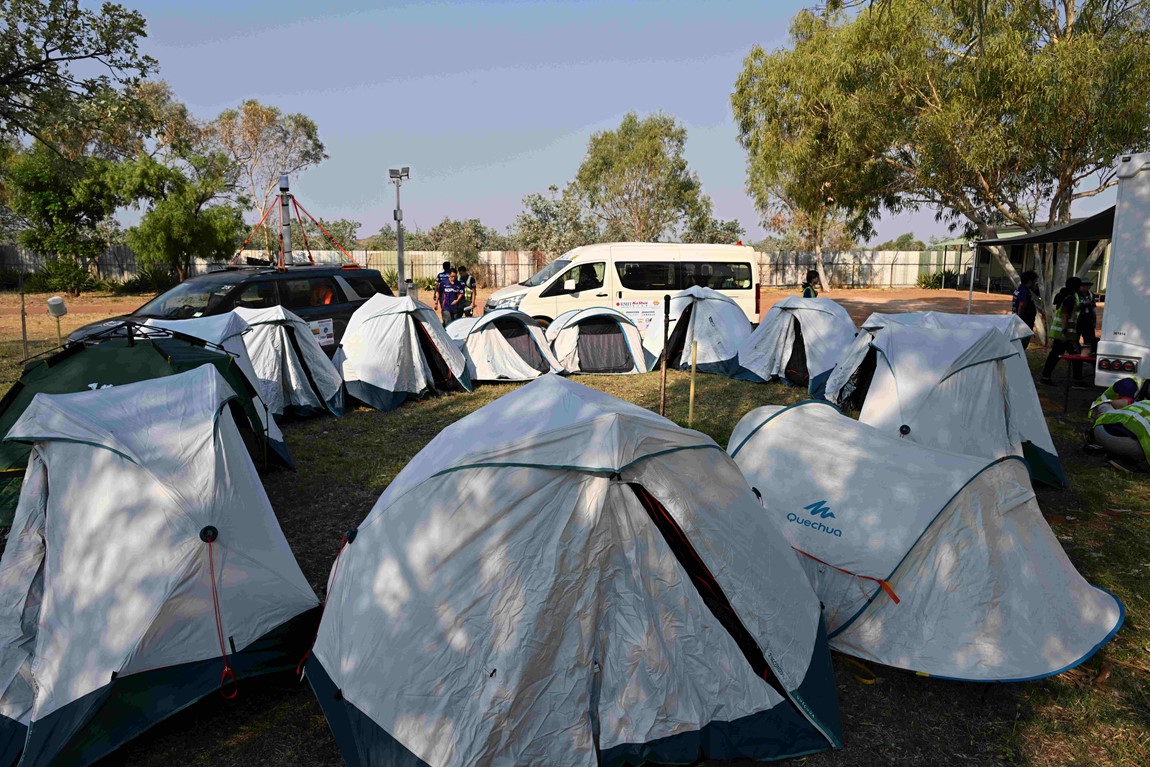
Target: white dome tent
column 984, row 590
column 395, row 348
column 1030, row 436
column 562, row 577
column 597, row 340
column 227, row 331
column 709, row 317
column 145, row 568
column 799, row 341
column 504, row 345
column 296, row 376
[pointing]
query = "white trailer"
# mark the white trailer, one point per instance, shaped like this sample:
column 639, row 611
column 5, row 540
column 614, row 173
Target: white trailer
column 1124, row 345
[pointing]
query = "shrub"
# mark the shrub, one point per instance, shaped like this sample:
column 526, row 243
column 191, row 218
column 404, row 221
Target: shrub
column 938, row 280
column 60, row 275
column 151, row 278
column 426, row 284
column 9, row 279
column 391, row 278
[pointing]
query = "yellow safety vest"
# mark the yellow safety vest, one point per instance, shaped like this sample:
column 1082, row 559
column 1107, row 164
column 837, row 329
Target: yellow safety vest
column 1056, row 326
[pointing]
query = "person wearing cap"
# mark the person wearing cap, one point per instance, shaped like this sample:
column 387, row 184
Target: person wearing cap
column 1024, row 301
column 1064, row 332
column 1087, row 318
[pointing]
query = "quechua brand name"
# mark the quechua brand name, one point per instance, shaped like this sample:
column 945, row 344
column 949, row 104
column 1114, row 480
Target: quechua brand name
column 819, row 511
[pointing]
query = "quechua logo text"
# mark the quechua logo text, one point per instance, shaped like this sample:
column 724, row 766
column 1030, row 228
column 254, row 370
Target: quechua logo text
column 819, row 511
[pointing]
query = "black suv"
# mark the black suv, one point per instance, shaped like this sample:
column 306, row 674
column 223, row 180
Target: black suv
column 323, row 296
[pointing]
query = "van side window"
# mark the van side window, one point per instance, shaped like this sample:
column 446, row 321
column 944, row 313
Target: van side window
column 647, row 275
column 585, row 276
column 716, row 275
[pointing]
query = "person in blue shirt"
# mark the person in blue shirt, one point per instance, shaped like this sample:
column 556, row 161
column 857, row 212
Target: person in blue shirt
column 1024, row 302
column 452, row 301
column 441, row 279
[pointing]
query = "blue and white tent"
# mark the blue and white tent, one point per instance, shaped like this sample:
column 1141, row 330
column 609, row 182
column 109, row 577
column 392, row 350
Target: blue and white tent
column 799, row 341
column 715, row 321
column 504, row 345
column 140, row 512
column 296, row 377
column 984, row 590
column 395, row 348
column 598, row 340
column 564, row 578
column 951, row 383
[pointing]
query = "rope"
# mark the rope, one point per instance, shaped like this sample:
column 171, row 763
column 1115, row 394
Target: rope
column 343, row 541
column 228, row 674
column 255, row 228
column 327, row 234
column 302, row 231
column 883, row 584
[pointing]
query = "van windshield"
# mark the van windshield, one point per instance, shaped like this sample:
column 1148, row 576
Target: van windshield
column 545, row 273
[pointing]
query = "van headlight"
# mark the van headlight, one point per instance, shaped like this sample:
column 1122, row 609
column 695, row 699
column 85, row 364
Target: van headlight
column 506, row 303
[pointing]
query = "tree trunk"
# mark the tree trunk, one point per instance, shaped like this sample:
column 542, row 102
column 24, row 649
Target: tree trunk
column 826, row 285
column 1092, row 259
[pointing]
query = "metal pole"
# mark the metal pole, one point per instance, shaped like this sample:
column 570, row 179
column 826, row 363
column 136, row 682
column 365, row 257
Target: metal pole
column 285, row 220
column 399, row 241
column 666, row 340
column 691, row 400
column 973, row 274
column 23, row 317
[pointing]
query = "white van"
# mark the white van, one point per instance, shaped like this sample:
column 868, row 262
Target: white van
column 633, row 277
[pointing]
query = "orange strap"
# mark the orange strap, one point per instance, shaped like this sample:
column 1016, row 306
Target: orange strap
column 326, row 233
column 255, row 229
column 883, row 584
column 228, row 676
column 303, row 231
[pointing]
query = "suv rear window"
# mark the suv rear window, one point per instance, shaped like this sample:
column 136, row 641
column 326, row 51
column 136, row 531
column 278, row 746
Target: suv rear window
column 363, row 285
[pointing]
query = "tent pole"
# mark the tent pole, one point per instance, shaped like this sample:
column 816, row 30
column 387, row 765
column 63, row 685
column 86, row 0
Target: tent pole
column 666, row 340
column 691, row 400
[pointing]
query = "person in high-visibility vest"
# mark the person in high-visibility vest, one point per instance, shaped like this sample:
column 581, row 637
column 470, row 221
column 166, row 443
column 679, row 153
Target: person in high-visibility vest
column 1125, row 432
column 809, row 290
column 469, row 288
column 1064, row 332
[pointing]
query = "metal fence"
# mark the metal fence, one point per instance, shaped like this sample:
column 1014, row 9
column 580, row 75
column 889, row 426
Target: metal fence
column 498, row 268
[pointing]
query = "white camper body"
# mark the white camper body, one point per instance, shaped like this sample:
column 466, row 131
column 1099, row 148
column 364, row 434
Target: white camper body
column 1126, row 312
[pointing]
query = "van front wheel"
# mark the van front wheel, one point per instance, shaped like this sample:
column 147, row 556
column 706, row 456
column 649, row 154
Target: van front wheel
column 544, row 322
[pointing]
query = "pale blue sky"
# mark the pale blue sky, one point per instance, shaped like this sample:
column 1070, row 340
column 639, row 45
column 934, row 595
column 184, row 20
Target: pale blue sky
column 486, row 100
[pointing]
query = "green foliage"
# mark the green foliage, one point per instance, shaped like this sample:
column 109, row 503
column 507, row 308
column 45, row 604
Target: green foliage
column 703, row 227
column 426, row 284
column 554, row 223
column 344, row 231
column 391, row 279
column 462, row 240
column 902, row 242
column 938, row 280
column 183, row 221
column 150, row 278
column 60, row 275
column 62, row 202
column 635, row 179
column 993, row 117
column 61, row 64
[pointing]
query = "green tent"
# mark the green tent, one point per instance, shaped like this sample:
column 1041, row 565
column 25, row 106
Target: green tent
column 120, row 355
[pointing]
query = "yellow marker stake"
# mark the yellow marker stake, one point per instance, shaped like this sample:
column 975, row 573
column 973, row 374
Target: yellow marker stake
column 691, row 401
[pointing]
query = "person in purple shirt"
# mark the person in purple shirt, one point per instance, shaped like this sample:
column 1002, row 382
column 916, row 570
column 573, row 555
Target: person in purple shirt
column 452, row 298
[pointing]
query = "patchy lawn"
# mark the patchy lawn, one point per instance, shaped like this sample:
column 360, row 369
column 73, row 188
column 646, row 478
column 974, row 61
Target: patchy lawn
column 1098, row 714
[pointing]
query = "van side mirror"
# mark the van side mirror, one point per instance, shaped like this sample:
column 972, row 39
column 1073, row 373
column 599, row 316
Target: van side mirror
column 568, row 286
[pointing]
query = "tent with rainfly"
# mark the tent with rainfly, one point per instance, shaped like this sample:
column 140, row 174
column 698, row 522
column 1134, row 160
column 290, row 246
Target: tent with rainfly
column 117, row 355
column 145, row 568
column 799, row 341
column 1030, row 436
column 296, row 377
column 597, row 340
column 504, row 345
column 925, row 560
column 565, row 578
column 395, row 348
column 227, row 331
column 714, row 320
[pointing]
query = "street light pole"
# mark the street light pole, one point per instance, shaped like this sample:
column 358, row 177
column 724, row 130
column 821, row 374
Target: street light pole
column 397, row 176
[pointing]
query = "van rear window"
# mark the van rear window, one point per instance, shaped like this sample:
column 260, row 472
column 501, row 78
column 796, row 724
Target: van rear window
column 715, row 274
